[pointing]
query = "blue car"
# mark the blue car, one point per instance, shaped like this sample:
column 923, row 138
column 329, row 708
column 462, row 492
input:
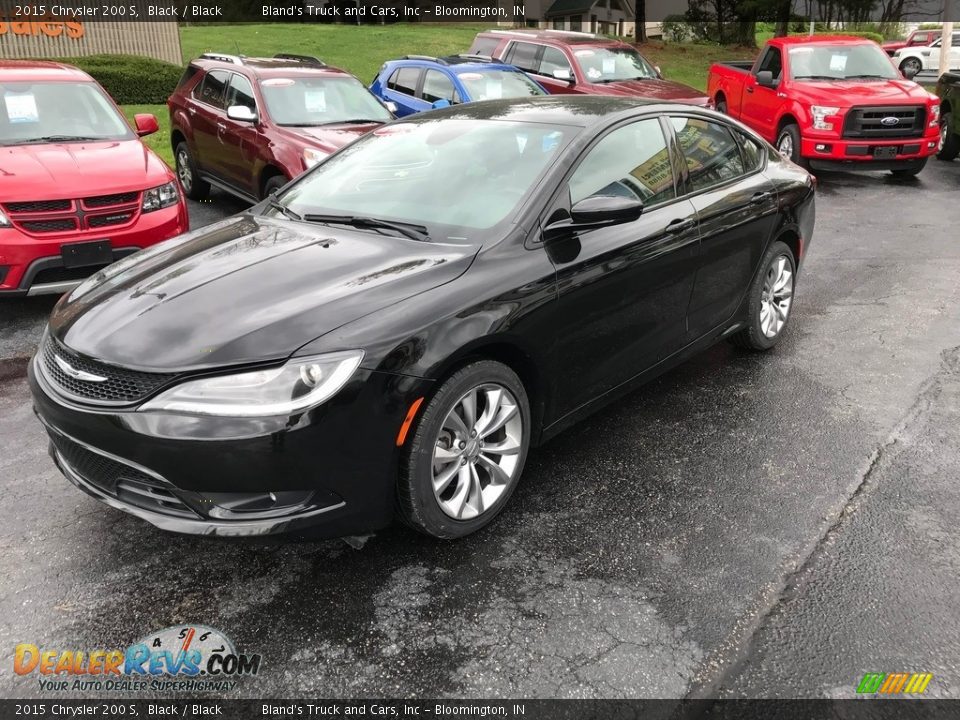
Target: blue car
column 417, row 82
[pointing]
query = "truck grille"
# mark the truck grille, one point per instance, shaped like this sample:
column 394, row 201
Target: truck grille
column 877, row 123
column 121, row 386
column 69, row 215
column 124, row 482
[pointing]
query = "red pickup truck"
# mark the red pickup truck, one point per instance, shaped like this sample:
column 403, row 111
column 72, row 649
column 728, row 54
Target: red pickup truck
column 917, row 37
column 833, row 103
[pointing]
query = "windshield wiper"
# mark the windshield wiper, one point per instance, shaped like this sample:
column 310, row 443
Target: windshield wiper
column 816, row 77
column 57, row 138
column 410, row 230
column 868, row 77
column 280, row 207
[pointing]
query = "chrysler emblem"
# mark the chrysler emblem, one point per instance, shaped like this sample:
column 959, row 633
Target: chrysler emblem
column 77, row 374
column 890, row 121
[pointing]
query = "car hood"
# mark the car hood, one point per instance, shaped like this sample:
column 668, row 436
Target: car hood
column 51, row 171
column 330, row 138
column 654, row 89
column 247, row 289
column 846, row 93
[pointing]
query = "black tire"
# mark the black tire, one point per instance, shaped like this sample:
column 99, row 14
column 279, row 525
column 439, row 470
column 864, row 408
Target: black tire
column 910, row 67
column 951, row 143
column 791, row 132
column 752, row 337
column 193, row 187
column 273, row 184
column 910, row 170
column 418, row 506
column 722, row 105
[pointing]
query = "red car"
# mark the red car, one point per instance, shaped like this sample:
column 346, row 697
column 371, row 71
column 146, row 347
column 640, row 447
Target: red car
column 917, row 37
column 834, row 103
column 250, row 125
column 574, row 62
column 78, row 189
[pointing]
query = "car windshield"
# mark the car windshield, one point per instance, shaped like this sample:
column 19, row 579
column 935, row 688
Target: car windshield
column 451, row 176
column 495, row 84
column 603, row 65
column 840, row 62
column 58, row 112
column 320, row 101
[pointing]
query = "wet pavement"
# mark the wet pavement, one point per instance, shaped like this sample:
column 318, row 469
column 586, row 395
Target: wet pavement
column 747, row 525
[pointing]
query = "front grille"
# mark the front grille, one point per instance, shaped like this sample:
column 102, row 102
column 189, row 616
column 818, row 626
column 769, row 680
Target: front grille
column 874, row 123
column 105, row 220
column 120, row 387
column 105, row 200
column 117, row 479
column 48, row 226
column 39, row 206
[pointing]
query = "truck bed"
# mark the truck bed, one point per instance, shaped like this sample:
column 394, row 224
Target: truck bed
column 739, row 65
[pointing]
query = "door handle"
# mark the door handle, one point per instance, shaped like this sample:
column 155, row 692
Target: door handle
column 749, row 90
column 192, row 111
column 760, row 197
column 221, row 126
column 681, row 225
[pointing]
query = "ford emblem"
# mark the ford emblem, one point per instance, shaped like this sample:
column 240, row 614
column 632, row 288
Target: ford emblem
column 890, row 121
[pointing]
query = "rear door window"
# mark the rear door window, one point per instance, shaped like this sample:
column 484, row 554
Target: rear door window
column 212, row 89
column 405, row 80
column 523, row 55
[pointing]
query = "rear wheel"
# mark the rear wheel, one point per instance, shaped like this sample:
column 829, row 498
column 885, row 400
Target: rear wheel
column 910, row 67
column 788, row 145
column 770, row 298
column 911, row 169
column 722, row 105
column 467, row 453
column 949, row 140
column 193, row 187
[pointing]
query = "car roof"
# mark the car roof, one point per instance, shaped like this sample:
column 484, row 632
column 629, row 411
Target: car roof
column 573, row 110
column 554, row 37
column 455, row 63
column 40, row 71
column 820, row 40
column 282, row 65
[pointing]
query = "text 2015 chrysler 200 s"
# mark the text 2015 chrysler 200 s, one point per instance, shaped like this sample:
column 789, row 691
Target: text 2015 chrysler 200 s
column 417, row 311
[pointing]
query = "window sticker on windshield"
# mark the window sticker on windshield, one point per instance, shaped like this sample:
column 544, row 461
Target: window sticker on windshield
column 838, row 63
column 609, row 66
column 594, row 74
column 471, row 76
column 315, row 101
column 493, row 90
column 277, row 82
column 21, row 107
column 584, row 53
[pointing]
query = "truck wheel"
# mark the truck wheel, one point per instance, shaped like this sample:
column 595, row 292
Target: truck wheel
column 911, row 169
column 788, row 145
column 949, row 140
column 193, row 187
column 722, row 105
column 910, row 67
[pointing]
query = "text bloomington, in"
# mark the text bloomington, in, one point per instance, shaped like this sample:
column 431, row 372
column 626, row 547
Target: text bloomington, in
column 330, row 11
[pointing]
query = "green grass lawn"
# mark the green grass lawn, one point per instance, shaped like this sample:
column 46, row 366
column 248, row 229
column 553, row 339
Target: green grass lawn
column 362, row 49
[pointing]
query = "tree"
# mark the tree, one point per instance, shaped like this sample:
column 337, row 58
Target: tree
column 640, row 15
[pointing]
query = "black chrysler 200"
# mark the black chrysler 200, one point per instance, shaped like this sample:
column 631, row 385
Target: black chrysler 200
column 393, row 332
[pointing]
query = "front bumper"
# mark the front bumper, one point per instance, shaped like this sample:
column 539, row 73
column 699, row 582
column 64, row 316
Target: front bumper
column 31, row 264
column 862, row 153
column 190, row 474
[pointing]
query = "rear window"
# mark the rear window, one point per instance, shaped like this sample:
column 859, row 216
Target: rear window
column 188, row 75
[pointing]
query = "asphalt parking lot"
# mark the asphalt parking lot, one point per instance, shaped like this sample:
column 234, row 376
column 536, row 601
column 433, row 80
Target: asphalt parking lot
column 747, row 525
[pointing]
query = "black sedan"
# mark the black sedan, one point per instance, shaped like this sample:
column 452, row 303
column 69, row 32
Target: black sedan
column 394, row 331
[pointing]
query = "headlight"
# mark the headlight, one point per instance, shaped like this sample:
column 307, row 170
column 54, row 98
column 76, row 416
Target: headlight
column 311, row 157
column 820, row 114
column 160, row 197
column 300, row 384
column 935, row 116
column 4, row 220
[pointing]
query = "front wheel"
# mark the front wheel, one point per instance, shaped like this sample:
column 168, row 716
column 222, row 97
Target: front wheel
column 467, row 452
column 788, row 145
column 193, row 187
column 910, row 67
column 910, row 170
column 949, row 140
column 770, row 298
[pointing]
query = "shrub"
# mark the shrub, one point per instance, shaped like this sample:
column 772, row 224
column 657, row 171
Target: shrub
column 676, row 29
column 876, row 37
column 130, row 79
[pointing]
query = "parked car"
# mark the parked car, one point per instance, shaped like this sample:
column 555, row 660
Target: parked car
column 915, row 39
column 831, row 103
column 78, row 188
column 574, row 63
column 948, row 90
column 419, row 82
column 250, row 125
column 913, row 60
column 400, row 325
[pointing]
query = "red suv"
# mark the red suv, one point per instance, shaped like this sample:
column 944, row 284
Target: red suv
column 249, row 125
column 78, row 189
column 574, row 62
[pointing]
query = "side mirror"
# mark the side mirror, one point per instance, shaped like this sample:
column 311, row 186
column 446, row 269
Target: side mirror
column 440, row 104
column 658, row 71
column 145, row 123
column 391, row 106
column 605, row 210
column 241, row 113
column 765, row 78
column 563, row 74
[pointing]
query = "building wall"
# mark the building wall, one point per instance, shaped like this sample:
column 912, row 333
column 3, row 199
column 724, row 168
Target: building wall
column 160, row 40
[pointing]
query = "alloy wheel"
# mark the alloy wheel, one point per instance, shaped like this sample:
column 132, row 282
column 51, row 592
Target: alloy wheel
column 475, row 458
column 183, row 171
column 776, row 296
column 944, row 134
column 785, row 146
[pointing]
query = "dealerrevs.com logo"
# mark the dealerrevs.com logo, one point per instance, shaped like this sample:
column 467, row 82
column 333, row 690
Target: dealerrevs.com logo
column 179, row 658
